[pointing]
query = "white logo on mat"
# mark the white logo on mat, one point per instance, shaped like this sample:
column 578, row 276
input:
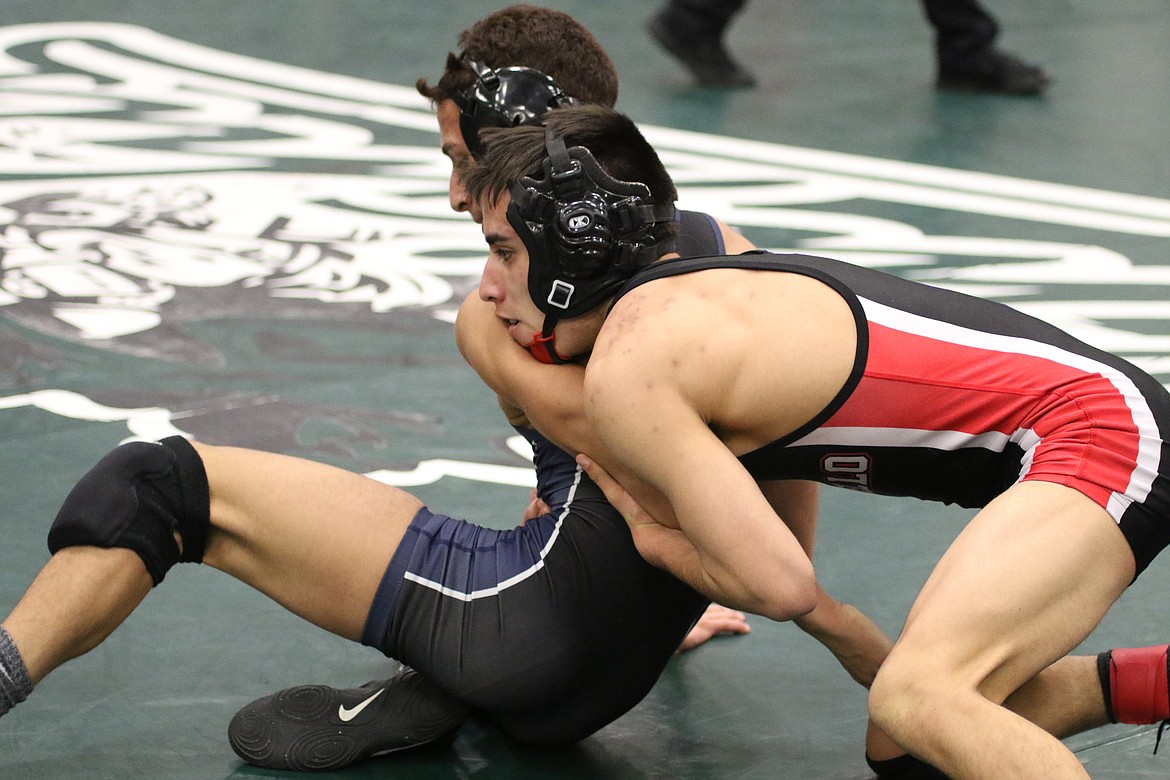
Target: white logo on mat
column 123, row 211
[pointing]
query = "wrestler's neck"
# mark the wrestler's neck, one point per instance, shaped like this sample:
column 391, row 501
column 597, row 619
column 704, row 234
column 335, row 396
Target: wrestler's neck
column 576, row 337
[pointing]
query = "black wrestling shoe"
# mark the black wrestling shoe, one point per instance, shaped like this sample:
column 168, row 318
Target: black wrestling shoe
column 703, row 55
column 318, row 728
column 905, row 767
column 995, row 71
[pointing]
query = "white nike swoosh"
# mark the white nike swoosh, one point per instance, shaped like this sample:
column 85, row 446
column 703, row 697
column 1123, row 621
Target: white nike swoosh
column 347, row 715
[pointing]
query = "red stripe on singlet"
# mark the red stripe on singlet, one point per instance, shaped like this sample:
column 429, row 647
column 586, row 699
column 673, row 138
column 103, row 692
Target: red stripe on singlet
column 918, row 382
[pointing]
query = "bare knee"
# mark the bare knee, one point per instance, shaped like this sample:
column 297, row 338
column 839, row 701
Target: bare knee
column 907, row 696
column 890, row 698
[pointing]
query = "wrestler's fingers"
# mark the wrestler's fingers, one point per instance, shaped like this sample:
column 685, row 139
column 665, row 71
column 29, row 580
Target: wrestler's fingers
column 536, row 508
column 724, row 620
column 622, row 501
column 717, row 620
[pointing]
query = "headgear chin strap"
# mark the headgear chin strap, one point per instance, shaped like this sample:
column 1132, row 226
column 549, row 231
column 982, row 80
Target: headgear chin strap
column 506, row 97
column 586, row 234
column 544, row 346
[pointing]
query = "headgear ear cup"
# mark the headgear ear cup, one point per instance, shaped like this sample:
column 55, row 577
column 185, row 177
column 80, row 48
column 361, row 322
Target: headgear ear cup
column 505, row 97
column 584, row 241
column 586, row 232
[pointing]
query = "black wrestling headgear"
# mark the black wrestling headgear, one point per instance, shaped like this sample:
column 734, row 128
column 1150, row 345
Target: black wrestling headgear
column 586, row 232
column 506, row 97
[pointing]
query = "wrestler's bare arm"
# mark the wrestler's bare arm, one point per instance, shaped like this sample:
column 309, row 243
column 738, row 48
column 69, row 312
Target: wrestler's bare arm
column 648, row 398
column 855, row 640
column 549, row 397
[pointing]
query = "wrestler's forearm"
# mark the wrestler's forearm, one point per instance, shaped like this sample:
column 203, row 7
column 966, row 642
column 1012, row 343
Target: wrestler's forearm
column 853, row 638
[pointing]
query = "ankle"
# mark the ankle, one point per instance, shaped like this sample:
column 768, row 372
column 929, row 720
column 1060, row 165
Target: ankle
column 15, row 683
column 905, row 767
column 1134, row 682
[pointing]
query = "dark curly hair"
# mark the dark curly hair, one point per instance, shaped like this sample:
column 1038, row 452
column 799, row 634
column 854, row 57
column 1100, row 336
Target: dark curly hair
column 549, row 41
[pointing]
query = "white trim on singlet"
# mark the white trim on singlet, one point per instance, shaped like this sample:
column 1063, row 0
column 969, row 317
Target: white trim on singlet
column 1029, row 440
column 500, row 587
column 1149, row 437
column 902, row 437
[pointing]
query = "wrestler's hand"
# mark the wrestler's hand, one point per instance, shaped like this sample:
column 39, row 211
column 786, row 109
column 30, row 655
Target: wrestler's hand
column 657, row 543
column 536, row 508
column 716, row 621
column 662, row 546
column 650, row 537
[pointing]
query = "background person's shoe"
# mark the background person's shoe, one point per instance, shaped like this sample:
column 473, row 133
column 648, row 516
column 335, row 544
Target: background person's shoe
column 315, row 727
column 703, row 55
column 995, row 71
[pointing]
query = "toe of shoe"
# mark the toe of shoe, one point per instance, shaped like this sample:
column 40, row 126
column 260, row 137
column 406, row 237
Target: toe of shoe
column 996, row 72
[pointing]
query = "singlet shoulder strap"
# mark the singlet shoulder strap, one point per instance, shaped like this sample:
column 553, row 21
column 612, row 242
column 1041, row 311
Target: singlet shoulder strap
column 698, row 235
column 756, row 260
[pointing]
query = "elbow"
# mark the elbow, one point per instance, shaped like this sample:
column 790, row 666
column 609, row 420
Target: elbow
column 795, row 604
column 792, row 596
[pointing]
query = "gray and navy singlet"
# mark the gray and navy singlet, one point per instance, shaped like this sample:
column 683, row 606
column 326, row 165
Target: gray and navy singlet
column 954, row 398
column 697, row 235
column 551, row 630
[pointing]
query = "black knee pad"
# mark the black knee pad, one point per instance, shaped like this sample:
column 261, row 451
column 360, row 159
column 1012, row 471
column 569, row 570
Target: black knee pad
column 137, row 497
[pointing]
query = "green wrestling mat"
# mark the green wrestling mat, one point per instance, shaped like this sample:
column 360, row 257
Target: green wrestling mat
column 230, row 219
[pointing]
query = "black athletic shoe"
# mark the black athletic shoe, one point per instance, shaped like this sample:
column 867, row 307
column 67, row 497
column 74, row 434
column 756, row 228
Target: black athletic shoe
column 995, row 71
column 903, row 768
column 703, row 55
column 316, row 728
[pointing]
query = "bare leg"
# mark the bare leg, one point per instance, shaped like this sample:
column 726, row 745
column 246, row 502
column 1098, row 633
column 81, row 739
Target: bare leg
column 1023, row 584
column 1064, row 699
column 77, row 599
column 315, row 538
